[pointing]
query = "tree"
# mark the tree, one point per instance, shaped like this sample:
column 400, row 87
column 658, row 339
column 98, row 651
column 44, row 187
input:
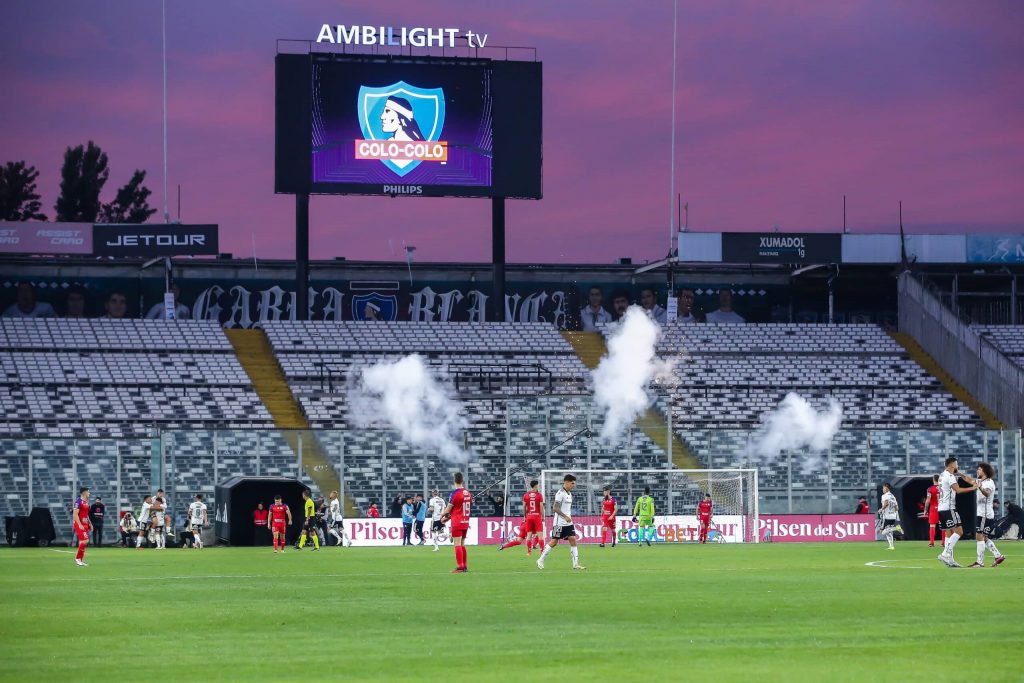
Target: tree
column 18, row 198
column 82, row 179
column 130, row 205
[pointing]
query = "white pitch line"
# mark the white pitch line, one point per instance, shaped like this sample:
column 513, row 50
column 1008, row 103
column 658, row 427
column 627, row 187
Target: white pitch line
column 69, row 552
column 881, row 564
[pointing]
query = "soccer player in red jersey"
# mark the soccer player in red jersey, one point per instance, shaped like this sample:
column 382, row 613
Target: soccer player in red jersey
column 609, row 507
column 704, row 517
column 457, row 511
column 280, row 519
column 80, row 521
column 532, row 528
column 931, row 504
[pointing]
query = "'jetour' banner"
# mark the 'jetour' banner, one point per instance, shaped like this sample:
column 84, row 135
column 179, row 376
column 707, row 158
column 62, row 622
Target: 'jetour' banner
column 387, row 531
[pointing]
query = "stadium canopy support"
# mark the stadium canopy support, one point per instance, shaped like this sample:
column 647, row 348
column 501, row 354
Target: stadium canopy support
column 302, row 257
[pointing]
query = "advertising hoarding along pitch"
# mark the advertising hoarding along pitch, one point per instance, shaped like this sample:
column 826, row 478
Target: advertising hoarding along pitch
column 781, row 247
column 154, row 240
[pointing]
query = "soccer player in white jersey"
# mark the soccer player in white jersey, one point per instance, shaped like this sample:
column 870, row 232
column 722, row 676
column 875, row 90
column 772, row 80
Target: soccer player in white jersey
column 336, row 516
column 157, row 527
column 436, row 507
column 562, row 527
column 986, row 516
column 948, row 516
column 889, row 514
column 197, row 520
column 144, row 520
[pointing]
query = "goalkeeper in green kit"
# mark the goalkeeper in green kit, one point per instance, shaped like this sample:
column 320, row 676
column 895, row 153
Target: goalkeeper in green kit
column 643, row 516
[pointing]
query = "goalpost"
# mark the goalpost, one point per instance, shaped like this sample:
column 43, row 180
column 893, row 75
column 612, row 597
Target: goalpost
column 676, row 494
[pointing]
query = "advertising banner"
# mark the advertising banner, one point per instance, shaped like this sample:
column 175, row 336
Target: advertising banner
column 995, row 248
column 45, row 238
column 154, row 240
column 781, row 247
column 815, row 528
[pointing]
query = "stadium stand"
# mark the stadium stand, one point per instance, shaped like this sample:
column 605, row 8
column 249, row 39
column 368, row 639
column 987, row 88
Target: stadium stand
column 1007, row 338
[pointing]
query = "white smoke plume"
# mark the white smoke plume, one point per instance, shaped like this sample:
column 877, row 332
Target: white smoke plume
column 622, row 377
column 412, row 401
column 796, row 426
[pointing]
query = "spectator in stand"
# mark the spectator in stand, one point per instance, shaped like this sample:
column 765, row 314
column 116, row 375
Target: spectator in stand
column 862, row 507
column 1016, row 514
column 725, row 314
column 259, row 522
column 116, row 306
column 373, row 512
column 649, row 302
column 128, row 528
column 684, row 311
column 620, row 304
column 96, row 512
column 181, row 311
column 396, row 507
column 26, row 306
column 420, row 507
column 408, row 517
column 594, row 314
column 74, row 302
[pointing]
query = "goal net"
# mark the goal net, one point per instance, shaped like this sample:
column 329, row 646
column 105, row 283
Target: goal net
column 676, row 494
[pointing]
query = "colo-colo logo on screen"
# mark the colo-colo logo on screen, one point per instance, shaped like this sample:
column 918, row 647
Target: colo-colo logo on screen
column 401, row 126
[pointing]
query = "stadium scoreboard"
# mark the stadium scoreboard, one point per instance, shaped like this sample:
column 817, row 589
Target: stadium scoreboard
column 412, row 126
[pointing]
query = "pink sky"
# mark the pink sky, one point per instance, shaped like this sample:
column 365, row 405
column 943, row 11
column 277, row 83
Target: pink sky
column 783, row 107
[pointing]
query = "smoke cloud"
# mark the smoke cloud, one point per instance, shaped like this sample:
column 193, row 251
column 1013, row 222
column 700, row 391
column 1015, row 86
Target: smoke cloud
column 795, row 425
column 412, row 401
column 622, row 377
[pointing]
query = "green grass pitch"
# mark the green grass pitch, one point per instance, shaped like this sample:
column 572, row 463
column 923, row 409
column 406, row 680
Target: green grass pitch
column 781, row 612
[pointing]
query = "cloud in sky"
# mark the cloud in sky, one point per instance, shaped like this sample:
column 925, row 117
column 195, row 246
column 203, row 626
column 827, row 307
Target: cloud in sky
column 782, row 109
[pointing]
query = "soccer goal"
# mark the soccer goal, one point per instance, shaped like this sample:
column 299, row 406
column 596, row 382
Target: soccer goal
column 676, row 494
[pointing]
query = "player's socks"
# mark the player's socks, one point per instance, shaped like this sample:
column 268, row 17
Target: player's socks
column 575, row 553
column 981, row 552
column 992, row 548
column 513, row 543
column 302, row 541
column 81, row 551
column 931, row 534
column 547, row 549
column 888, row 537
column 316, row 542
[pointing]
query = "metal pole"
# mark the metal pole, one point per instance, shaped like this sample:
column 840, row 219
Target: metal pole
column 216, row 457
column 672, row 148
column 118, row 463
column 299, row 473
column 163, row 31
column 31, row 476
column 301, row 257
column 498, row 256
column 789, row 482
column 828, row 471
column 668, row 426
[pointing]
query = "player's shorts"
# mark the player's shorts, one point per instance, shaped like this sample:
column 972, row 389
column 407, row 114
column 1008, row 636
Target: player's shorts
column 436, row 526
column 607, row 522
column 460, row 531
column 144, row 526
column 983, row 525
column 338, row 524
column 310, row 524
column 278, row 528
column 532, row 524
column 196, row 528
column 645, row 521
column 560, row 533
column 83, row 534
column 933, row 517
column 949, row 519
column 889, row 523
column 704, row 521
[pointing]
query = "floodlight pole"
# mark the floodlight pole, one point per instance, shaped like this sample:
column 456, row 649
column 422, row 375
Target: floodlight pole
column 302, row 257
column 498, row 256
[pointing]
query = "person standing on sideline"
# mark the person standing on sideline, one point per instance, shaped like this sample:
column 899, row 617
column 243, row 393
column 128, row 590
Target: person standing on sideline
column 96, row 512
column 80, row 521
column 421, row 516
column 259, row 523
column 931, row 504
column 408, row 517
column 436, row 506
column 889, row 515
column 309, row 526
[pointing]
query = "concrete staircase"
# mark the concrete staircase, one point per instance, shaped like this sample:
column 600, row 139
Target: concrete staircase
column 922, row 358
column 590, row 348
column 257, row 358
